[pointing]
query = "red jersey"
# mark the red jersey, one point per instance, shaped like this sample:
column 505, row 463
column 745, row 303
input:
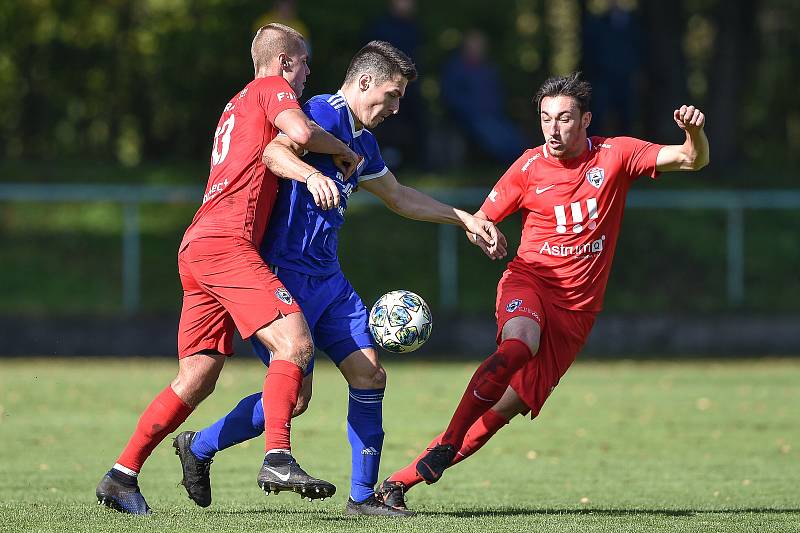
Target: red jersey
column 571, row 214
column 241, row 190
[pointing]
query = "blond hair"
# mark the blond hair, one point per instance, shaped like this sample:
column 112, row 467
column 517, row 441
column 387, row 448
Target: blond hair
column 274, row 39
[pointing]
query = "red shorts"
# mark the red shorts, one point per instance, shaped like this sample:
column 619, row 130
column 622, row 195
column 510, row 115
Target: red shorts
column 564, row 332
column 225, row 282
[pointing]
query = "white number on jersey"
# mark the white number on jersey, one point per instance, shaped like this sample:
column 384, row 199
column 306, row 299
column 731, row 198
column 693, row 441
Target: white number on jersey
column 220, row 149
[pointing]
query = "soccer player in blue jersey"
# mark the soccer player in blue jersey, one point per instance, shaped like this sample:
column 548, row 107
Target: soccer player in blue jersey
column 301, row 248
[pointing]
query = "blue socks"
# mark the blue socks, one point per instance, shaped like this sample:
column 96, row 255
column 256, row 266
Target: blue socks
column 365, row 433
column 244, row 422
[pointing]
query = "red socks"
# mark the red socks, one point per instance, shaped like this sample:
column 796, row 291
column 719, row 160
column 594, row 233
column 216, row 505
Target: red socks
column 281, row 387
column 478, row 435
column 486, row 387
column 163, row 416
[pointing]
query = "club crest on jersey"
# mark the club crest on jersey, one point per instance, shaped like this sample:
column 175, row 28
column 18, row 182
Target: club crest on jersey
column 513, row 305
column 595, row 176
column 284, row 296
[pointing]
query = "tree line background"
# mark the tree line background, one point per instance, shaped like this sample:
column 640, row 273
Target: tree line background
column 137, row 81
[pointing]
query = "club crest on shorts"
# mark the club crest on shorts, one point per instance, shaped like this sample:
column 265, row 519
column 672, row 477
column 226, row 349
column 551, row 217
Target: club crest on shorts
column 595, row 176
column 284, row 296
column 513, row 305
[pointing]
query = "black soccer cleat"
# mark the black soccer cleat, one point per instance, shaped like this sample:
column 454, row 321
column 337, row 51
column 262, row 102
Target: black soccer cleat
column 373, row 506
column 393, row 494
column 438, row 458
column 121, row 495
column 196, row 473
column 281, row 472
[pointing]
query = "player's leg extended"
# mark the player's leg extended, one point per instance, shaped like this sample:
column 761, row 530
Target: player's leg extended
column 196, row 377
column 289, row 341
column 366, row 379
column 197, row 449
column 367, row 382
column 393, row 489
column 518, row 344
column 244, row 422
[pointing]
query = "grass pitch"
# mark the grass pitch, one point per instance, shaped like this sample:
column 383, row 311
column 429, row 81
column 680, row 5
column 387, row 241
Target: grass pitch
column 620, row 446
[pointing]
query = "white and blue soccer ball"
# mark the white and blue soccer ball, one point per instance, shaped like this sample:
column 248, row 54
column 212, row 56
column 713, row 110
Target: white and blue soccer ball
column 400, row 321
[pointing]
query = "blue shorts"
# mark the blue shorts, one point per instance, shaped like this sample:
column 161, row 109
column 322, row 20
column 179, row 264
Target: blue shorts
column 334, row 312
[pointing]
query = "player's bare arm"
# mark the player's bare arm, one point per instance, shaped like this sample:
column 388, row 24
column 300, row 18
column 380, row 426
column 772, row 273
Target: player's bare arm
column 307, row 133
column 282, row 157
column 411, row 203
column 502, row 244
column 693, row 154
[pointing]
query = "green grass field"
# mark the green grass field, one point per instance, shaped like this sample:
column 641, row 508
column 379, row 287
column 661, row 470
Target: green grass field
column 621, row 446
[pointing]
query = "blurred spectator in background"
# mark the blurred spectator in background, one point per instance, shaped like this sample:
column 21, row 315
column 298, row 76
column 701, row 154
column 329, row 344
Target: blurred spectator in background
column 473, row 95
column 403, row 137
column 612, row 60
column 285, row 12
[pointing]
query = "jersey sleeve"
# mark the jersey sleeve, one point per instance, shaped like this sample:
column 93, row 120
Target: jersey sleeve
column 374, row 166
column 638, row 156
column 275, row 95
column 507, row 194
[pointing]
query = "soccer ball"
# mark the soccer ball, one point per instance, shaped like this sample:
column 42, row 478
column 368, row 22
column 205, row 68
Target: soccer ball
column 400, row 321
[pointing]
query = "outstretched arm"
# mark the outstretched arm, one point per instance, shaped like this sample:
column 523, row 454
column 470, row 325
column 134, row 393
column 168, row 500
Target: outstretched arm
column 282, row 157
column 416, row 205
column 309, row 136
column 693, row 154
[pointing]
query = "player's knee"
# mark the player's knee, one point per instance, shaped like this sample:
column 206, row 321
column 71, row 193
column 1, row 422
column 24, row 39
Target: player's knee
column 374, row 378
column 528, row 338
column 299, row 352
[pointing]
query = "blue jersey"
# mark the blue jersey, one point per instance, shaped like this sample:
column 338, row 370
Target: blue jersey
column 302, row 236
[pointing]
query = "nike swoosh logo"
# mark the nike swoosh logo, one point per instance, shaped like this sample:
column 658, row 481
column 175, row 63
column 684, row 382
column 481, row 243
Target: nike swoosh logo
column 282, row 477
column 540, row 191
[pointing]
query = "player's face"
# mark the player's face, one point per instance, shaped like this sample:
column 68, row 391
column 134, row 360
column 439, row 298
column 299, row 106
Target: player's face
column 563, row 126
column 379, row 101
column 296, row 70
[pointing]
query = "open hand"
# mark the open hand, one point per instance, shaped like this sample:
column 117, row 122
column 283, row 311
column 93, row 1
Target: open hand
column 324, row 190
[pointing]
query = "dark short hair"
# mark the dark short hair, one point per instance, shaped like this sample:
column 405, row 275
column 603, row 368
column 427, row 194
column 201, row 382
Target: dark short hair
column 383, row 61
column 570, row 85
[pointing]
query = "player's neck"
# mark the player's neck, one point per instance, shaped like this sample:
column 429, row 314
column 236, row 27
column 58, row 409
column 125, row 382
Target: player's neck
column 350, row 99
column 266, row 72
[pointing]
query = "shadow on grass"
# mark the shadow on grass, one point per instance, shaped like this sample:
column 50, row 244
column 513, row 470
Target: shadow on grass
column 603, row 512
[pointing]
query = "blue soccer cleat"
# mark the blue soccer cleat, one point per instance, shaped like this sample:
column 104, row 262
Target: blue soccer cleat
column 121, row 495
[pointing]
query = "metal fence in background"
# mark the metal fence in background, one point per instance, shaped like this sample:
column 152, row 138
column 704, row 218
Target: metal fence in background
column 131, row 197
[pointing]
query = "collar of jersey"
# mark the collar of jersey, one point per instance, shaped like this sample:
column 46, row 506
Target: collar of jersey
column 350, row 116
column 565, row 162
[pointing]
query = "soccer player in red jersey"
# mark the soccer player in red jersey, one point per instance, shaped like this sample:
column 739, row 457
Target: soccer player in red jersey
column 226, row 283
column 571, row 192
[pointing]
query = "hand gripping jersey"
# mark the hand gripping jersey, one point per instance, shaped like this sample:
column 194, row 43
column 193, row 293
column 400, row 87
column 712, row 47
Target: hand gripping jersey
column 571, row 214
column 241, row 191
column 301, row 236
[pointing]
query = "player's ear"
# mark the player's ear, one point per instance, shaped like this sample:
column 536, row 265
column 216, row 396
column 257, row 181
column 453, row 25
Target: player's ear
column 586, row 119
column 364, row 81
column 283, row 59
